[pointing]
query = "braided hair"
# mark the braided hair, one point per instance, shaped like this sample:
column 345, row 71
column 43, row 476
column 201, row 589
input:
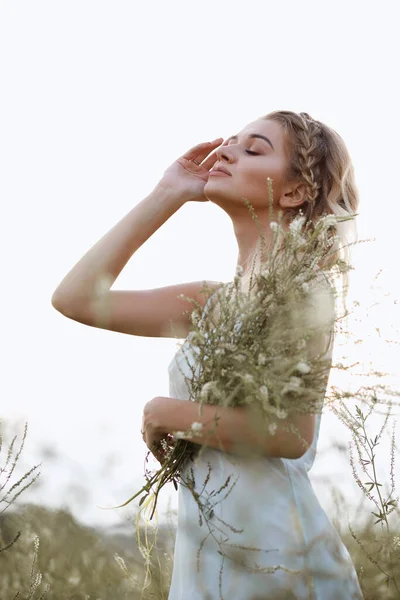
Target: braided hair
column 318, row 157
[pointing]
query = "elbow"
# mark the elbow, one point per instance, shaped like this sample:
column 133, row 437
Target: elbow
column 295, row 453
column 55, row 302
column 59, row 303
column 64, row 305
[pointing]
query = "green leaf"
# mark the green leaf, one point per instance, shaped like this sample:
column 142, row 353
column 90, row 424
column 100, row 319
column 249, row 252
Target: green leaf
column 142, row 499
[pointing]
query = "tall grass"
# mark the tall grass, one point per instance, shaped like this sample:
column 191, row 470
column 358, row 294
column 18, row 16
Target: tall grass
column 47, row 554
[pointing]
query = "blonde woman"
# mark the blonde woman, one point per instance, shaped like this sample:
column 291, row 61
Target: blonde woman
column 269, row 537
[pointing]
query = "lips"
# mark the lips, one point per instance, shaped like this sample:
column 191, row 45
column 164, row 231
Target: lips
column 222, row 169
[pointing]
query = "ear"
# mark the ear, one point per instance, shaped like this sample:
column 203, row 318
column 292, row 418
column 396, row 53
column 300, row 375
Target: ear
column 293, row 195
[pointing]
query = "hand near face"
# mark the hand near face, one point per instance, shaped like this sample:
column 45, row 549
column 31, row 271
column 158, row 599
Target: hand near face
column 190, row 172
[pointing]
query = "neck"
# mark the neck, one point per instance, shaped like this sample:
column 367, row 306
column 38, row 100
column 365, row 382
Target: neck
column 249, row 242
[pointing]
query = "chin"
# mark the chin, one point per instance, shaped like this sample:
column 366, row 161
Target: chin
column 214, row 191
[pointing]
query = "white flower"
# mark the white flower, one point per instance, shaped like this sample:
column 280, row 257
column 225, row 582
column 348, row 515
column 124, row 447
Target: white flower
column 262, row 359
column 292, row 386
column 239, row 270
column 248, row 378
column 179, row 434
column 328, row 221
column 303, row 367
column 272, row 428
column 74, row 579
column 396, row 542
column 207, row 387
column 281, row 414
column 264, row 391
column 197, row 426
column 274, row 226
column 296, row 225
column 240, row 357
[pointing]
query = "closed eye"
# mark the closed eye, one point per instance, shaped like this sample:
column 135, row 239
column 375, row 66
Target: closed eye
column 253, row 153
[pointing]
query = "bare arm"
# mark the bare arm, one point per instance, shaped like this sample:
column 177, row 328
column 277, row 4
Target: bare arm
column 232, row 429
column 95, row 273
column 97, row 270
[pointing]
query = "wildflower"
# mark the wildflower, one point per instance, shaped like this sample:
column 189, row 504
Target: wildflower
column 328, row 221
column 207, row 387
column 196, row 426
column 74, row 579
column 264, row 391
column 396, row 542
column 195, row 316
column 248, row 378
column 262, row 359
column 240, row 357
column 292, row 386
column 179, row 434
column 303, row 368
column 239, row 270
column 274, row 226
column 296, row 225
column 272, row 428
column 281, row 414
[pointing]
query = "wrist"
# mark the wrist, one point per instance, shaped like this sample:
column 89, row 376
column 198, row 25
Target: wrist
column 170, row 193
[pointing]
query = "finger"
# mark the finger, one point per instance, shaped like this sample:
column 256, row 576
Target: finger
column 207, row 152
column 210, row 161
column 200, row 151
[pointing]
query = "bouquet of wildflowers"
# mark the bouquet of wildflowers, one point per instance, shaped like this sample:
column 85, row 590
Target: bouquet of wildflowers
column 267, row 349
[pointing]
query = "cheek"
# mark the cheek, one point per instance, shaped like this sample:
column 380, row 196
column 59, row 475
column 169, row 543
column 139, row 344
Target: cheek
column 254, row 182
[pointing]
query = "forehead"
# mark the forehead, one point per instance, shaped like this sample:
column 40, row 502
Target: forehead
column 271, row 129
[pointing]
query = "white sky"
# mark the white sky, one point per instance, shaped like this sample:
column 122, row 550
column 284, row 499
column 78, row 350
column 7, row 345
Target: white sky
column 97, row 99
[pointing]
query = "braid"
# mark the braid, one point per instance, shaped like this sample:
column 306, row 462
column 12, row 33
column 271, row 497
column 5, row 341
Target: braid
column 318, row 157
column 309, row 158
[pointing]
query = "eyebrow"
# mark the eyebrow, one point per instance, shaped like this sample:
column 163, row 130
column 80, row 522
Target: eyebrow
column 255, row 135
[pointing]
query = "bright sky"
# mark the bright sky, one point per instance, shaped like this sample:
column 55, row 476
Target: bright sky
column 97, row 99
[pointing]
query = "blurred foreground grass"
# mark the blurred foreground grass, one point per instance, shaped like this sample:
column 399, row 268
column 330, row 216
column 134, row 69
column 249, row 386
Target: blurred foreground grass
column 76, row 562
column 48, row 554
column 79, row 563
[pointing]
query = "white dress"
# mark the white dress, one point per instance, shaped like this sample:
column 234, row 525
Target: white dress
column 264, row 535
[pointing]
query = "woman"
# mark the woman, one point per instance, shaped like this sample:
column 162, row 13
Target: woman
column 265, row 534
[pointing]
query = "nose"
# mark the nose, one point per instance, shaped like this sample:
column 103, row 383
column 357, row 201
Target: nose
column 225, row 152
